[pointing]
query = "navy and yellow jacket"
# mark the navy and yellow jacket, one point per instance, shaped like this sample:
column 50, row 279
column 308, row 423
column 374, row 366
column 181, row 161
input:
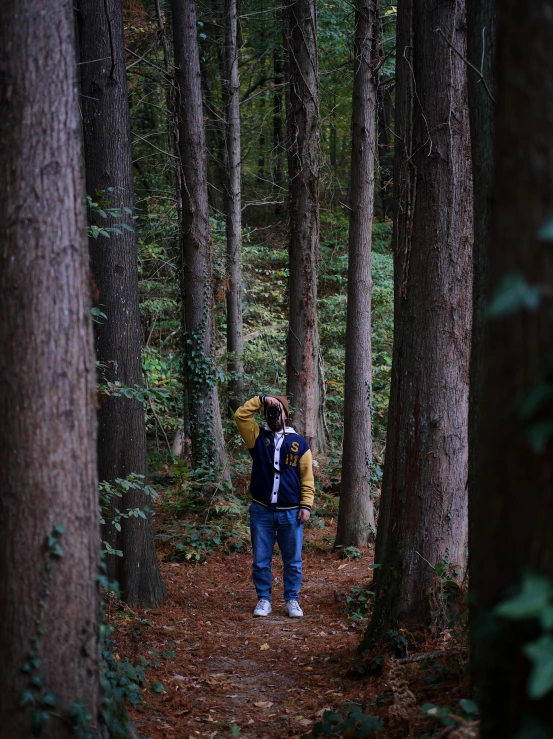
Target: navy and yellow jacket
column 296, row 487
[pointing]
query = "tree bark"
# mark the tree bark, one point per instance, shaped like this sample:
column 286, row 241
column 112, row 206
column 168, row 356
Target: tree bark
column 302, row 362
column 235, row 324
column 114, row 262
column 385, row 149
column 481, row 49
column 423, row 514
column 278, row 139
column 214, row 127
column 356, row 513
column 512, row 499
column 206, row 429
column 49, row 599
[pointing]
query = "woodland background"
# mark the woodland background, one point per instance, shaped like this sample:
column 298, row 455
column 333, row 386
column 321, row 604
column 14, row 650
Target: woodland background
column 349, row 203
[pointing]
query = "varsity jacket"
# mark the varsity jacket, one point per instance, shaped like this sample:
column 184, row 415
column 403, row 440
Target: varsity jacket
column 282, row 469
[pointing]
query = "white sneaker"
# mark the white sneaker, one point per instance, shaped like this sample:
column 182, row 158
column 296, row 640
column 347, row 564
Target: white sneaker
column 263, row 607
column 293, row 608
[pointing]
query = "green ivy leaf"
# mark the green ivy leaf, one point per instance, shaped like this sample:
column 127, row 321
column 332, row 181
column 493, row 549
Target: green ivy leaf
column 513, row 294
column 538, row 435
column 546, row 618
column 535, row 595
column 540, row 652
column 27, row 699
column 38, row 721
column 49, row 699
column 468, row 706
column 546, row 231
column 57, row 552
column 37, row 681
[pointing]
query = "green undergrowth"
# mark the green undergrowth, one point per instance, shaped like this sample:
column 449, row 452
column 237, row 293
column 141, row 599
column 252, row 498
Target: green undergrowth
column 201, row 516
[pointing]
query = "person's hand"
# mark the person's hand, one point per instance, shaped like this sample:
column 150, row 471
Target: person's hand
column 269, row 400
column 304, row 515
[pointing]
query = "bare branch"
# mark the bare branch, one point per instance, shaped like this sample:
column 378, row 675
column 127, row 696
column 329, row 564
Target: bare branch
column 478, row 71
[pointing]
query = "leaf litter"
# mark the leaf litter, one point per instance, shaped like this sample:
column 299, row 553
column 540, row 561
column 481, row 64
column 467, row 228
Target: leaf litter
column 273, row 677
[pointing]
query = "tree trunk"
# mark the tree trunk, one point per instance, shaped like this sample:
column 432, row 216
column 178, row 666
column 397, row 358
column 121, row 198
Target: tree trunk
column 481, row 47
column 216, row 161
column 423, row 515
column 278, row 141
column 114, row 262
column 49, row 600
column 302, row 363
column 385, row 149
column 214, row 126
column 203, row 403
column 333, row 147
column 512, row 504
column 356, row 514
column 235, row 325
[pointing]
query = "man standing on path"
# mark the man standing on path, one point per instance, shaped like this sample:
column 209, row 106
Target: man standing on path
column 283, row 490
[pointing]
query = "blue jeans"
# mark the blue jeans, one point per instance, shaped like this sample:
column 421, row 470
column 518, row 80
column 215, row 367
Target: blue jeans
column 266, row 527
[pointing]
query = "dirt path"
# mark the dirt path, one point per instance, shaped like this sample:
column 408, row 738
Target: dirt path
column 269, row 677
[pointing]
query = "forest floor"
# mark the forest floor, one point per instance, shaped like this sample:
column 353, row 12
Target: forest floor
column 211, row 669
column 215, row 671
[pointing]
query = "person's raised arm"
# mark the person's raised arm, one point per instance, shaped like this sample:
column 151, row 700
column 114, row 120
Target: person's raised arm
column 244, row 417
column 307, row 495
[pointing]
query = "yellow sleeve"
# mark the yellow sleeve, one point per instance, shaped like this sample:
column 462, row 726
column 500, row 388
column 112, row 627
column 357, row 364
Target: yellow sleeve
column 307, row 481
column 244, row 417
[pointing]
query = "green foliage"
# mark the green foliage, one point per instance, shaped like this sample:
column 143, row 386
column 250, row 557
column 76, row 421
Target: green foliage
column 110, row 514
column 144, row 395
column 120, row 682
column 513, row 294
column 217, row 516
column 351, row 719
column 447, row 596
column 534, row 601
column 459, row 717
column 357, row 603
column 38, row 699
column 102, row 207
column 350, row 552
column 98, row 316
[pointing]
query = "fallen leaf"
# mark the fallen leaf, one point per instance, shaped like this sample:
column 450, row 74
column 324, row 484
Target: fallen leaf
column 264, row 646
column 263, row 704
column 341, row 567
column 212, row 681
